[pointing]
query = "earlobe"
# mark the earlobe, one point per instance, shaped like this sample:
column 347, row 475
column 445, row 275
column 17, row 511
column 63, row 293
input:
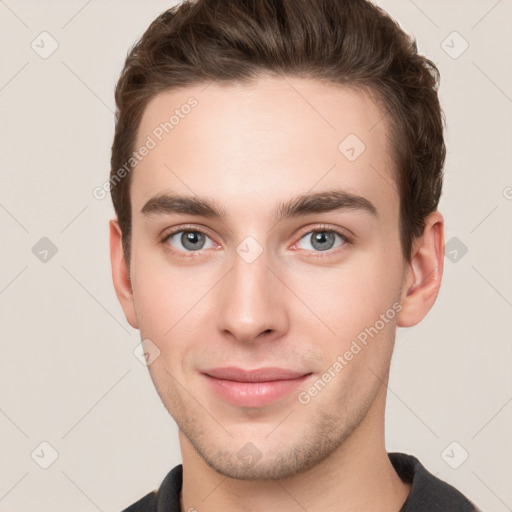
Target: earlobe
column 121, row 274
column 424, row 272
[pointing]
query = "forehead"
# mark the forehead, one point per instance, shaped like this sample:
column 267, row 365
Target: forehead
column 273, row 138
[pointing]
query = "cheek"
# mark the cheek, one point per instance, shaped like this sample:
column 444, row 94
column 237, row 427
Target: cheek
column 156, row 298
column 353, row 296
column 170, row 303
column 153, row 302
column 360, row 311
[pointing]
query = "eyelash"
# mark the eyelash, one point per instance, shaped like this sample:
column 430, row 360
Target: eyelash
column 316, row 254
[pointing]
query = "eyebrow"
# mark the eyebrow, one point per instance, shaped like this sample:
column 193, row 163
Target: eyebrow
column 319, row 202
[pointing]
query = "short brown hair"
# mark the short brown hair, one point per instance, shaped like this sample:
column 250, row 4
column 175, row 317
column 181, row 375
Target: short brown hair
column 347, row 42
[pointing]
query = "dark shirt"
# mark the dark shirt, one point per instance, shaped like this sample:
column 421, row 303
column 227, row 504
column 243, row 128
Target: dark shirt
column 428, row 493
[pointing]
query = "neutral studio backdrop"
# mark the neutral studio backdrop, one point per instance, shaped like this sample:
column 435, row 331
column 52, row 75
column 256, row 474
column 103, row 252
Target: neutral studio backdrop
column 68, row 375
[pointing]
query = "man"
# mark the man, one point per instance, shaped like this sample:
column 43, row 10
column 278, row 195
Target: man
column 276, row 171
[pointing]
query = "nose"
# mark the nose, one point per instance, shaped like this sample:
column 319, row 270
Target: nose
column 251, row 302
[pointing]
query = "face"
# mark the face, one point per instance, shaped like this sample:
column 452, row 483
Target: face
column 265, row 234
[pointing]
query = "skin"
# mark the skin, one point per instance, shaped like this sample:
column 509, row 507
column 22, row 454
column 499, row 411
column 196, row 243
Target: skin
column 249, row 148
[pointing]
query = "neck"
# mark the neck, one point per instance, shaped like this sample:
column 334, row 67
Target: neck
column 355, row 476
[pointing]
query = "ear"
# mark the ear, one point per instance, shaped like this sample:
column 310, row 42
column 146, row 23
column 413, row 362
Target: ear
column 121, row 274
column 422, row 278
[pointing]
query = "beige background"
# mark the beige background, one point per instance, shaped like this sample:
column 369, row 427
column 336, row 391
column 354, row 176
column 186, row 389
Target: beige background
column 68, row 375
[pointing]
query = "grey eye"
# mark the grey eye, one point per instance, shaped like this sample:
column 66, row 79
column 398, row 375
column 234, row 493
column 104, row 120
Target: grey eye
column 192, row 240
column 321, row 240
column 189, row 240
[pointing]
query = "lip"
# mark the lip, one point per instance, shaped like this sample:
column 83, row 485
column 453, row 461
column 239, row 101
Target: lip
column 253, row 388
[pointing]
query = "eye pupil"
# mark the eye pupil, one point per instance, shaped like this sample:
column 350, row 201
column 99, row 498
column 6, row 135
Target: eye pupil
column 192, row 240
column 323, row 240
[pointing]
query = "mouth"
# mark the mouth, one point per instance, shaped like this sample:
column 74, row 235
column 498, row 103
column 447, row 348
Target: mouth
column 253, row 388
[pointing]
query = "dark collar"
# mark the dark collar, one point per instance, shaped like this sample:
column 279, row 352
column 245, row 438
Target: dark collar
column 428, row 493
